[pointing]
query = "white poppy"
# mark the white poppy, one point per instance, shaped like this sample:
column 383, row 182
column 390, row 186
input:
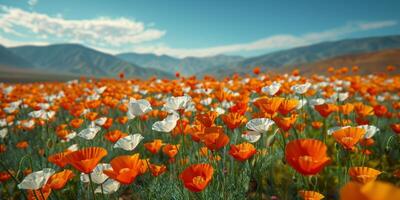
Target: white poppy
column 176, row 103
column 101, row 121
column 8, row 90
column 97, row 175
column 166, row 125
column 36, row 180
column 89, row 133
column 71, row 135
column 3, row 122
column 301, row 103
column 206, row 101
column 251, row 136
column 186, row 89
column 100, row 90
column 28, row 124
column 93, row 97
column 301, row 88
column 334, row 129
column 271, row 89
column 109, row 187
column 138, row 107
column 343, row 96
column 135, row 88
column 10, row 109
column 370, row 130
column 227, row 104
column 44, row 106
column 219, row 110
column 129, row 142
column 318, row 101
column 3, row 133
column 260, row 125
column 73, row 147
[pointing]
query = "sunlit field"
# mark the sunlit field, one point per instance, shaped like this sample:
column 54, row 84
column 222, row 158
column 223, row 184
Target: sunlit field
column 258, row 136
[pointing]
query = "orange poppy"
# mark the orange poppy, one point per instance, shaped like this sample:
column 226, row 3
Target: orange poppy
column 310, row 195
column 37, row 194
column 242, row 151
column 215, row 140
column 22, row 145
column 316, row 124
column 3, row 148
column 125, row 168
column 207, row 119
column 157, row 170
column 380, row 110
column 348, row 137
column 288, row 105
column 373, row 190
column 57, row 181
column 326, row 109
column 154, row 146
column 85, row 160
column 122, row 119
column 240, row 107
column 396, row 128
column 182, row 127
column 285, row 123
column 108, row 123
column 196, row 177
column 114, row 136
column 4, row 176
column 346, row 109
column 76, row 123
column 364, row 110
column 269, row 105
column 58, row 159
column 256, row 70
column 307, row 156
column 363, row 174
column 233, row 120
column 91, row 116
column 171, row 150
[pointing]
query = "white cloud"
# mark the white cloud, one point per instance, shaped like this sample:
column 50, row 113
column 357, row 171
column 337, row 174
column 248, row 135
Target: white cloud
column 269, row 43
column 107, row 31
column 32, row 2
column 12, row 43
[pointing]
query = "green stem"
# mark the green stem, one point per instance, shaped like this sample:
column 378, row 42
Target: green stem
column 91, row 186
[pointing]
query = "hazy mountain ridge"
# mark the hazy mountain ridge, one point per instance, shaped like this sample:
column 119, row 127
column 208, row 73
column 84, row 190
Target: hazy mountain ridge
column 9, row 59
column 186, row 66
column 78, row 59
column 300, row 56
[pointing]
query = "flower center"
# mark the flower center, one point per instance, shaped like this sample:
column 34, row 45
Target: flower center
column 124, row 170
column 306, row 158
column 198, row 180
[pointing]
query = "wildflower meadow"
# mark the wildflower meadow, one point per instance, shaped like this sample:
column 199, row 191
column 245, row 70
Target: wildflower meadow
column 257, row 136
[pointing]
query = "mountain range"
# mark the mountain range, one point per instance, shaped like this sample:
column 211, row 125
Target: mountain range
column 303, row 56
column 74, row 60
column 186, row 66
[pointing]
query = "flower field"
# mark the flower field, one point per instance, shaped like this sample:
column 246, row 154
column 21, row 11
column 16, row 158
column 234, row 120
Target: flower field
column 251, row 137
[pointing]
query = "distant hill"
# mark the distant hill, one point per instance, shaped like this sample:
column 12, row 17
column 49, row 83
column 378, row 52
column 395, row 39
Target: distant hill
column 9, row 59
column 373, row 62
column 80, row 60
column 186, row 66
column 309, row 54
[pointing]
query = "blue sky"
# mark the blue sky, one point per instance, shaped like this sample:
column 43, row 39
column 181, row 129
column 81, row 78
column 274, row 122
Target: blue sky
column 193, row 28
